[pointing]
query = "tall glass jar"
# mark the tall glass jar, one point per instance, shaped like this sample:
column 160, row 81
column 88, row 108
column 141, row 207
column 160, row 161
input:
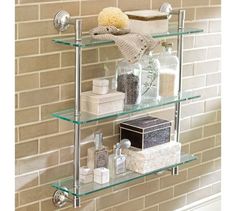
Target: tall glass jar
column 128, row 77
column 150, row 77
column 169, row 71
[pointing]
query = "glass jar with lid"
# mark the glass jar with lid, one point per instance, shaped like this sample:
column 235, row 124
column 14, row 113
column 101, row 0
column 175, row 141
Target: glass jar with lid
column 169, row 71
column 128, row 81
column 150, row 77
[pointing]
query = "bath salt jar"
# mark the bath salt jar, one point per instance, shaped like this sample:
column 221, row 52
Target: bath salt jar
column 169, row 71
column 150, row 77
column 128, row 81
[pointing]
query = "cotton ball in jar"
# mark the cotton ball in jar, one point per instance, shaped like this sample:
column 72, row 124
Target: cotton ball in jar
column 113, row 16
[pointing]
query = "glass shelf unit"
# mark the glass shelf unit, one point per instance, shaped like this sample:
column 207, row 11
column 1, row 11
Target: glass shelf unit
column 86, row 189
column 85, row 117
column 87, row 41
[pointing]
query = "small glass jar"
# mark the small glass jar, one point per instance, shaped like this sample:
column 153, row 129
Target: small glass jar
column 150, row 77
column 128, row 81
column 169, row 71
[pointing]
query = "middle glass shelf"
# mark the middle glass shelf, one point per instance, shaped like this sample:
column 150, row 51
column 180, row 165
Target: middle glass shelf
column 85, row 117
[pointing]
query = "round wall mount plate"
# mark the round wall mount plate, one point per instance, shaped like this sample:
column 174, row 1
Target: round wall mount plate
column 60, row 198
column 62, row 20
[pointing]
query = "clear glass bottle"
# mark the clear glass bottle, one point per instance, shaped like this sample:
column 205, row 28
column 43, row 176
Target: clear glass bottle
column 128, row 81
column 169, row 71
column 150, row 77
column 97, row 155
column 117, row 161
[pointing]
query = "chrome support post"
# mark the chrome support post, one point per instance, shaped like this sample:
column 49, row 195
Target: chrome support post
column 181, row 19
column 167, row 8
column 78, row 62
column 62, row 21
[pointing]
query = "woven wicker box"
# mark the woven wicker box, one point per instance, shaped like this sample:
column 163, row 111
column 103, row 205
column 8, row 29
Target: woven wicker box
column 153, row 158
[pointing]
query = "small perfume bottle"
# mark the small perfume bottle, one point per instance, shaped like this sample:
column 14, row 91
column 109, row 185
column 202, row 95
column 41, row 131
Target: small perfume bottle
column 117, row 161
column 98, row 155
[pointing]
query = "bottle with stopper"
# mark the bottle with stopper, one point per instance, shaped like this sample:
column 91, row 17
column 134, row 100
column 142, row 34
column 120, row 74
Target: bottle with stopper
column 97, row 155
column 117, row 161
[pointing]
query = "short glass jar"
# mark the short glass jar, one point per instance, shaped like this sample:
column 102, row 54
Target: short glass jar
column 128, row 81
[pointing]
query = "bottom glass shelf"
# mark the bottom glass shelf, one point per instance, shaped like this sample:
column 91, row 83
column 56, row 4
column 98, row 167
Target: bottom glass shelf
column 85, row 189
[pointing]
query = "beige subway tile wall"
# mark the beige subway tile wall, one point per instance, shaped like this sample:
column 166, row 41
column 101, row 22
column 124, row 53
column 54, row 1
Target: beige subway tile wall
column 45, row 84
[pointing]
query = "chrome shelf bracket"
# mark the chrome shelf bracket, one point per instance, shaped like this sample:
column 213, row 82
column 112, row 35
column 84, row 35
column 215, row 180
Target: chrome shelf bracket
column 62, row 20
column 60, row 198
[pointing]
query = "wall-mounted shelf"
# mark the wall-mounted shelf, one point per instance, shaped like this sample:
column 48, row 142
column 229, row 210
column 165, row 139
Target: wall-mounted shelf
column 88, row 41
column 84, row 117
column 77, row 117
column 86, row 189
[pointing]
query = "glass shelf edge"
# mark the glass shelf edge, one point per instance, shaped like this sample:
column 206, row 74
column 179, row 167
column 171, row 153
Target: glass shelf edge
column 67, row 180
column 71, row 118
column 69, row 41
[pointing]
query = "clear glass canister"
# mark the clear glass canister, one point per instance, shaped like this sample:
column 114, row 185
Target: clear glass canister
column 169, row 71
column 150, row 77
column 128, row 78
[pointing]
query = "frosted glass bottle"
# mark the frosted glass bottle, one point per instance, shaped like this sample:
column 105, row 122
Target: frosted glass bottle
column 169, row 71
column 98, row 154
column 150, row 77
column 117, row 161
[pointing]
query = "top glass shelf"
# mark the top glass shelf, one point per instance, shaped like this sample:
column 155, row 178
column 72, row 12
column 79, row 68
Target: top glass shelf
column 87, row 41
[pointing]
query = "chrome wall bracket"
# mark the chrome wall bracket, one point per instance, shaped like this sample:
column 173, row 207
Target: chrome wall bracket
column 60, row 198
column 62, row 20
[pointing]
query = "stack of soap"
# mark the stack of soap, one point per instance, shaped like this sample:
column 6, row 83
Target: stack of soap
column 153, row 158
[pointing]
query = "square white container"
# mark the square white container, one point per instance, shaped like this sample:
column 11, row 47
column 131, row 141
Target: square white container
column 86, row 174
column 102, row 104
column 100, row 86
column 101, row 175
column 147, row 21
column 153, row 158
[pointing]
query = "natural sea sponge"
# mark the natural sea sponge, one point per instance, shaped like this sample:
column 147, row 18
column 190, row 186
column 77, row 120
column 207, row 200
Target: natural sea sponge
column 113, row 16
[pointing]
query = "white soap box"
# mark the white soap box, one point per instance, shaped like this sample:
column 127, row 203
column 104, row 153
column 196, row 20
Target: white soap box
column 102, row 104
column 153, row 158
column 86, row 174
column 100, row 86
column 101, row 175
column 147, row 21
